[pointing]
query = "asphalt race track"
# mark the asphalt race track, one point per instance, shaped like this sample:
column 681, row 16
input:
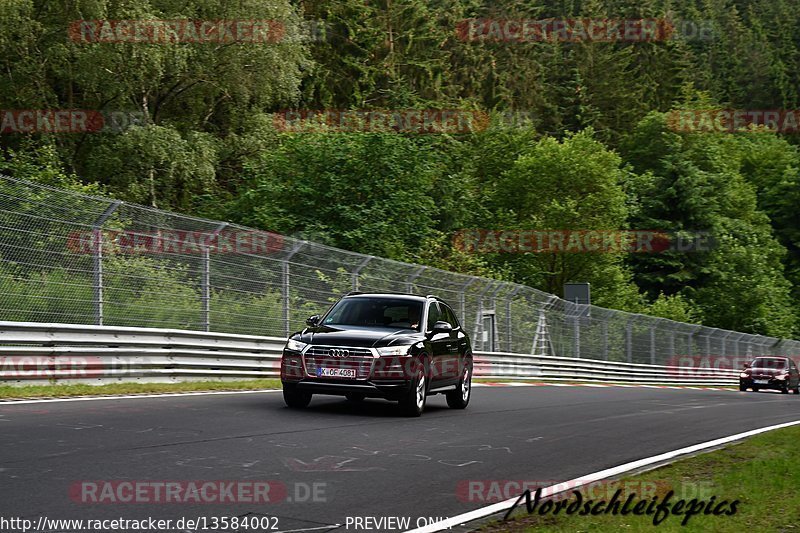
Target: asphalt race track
column 364, row 459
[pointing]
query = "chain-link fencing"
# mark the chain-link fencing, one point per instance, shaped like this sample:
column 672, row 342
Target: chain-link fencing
column 71, row 258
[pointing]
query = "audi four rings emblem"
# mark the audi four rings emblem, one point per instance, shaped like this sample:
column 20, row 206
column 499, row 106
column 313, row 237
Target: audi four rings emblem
column 338, row 352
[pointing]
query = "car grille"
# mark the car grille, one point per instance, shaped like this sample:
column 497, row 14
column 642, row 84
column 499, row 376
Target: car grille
column 360, row 359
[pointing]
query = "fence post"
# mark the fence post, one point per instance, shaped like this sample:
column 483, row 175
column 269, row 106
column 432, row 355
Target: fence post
column 357, row 270
column 479, row 314
column 604, row 331
column 285, row 285
column 725, row 344
column 509, row 323
column 493, row 300
column 672, row 343
column 410, row 280
column 97, row 260
column 652, row 345
column 205, row 278
column 629, row 340
column 462, row 299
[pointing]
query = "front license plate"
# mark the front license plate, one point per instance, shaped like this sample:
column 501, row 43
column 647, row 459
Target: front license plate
column 336, row 372
column 760, row 381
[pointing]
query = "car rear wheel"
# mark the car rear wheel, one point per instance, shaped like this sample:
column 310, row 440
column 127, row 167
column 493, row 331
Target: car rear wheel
column 742, row 388
column 294, row 398
column 785, row 389
column 755, row 389
column 414, row 402
column 459, row 398
column 796, row 390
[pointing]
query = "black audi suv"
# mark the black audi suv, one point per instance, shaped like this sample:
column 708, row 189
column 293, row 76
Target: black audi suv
column 395, row 346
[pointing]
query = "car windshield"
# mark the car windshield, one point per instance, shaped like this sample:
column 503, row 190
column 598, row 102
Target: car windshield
column 376, row 312
column 769, row 362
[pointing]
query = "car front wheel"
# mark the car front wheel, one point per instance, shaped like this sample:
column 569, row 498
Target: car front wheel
column 414, row 401
column 459, row 398
column 294, row 398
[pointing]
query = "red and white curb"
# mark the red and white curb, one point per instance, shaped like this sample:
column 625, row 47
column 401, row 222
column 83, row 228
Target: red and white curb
column 594, row 385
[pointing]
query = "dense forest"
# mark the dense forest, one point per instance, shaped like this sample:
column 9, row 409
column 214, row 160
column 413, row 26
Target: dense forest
column 579, row 135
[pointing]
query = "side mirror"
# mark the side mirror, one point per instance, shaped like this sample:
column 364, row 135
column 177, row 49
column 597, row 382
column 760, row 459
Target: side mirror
column 746, row 365
column 312, row 320
column 442, row 327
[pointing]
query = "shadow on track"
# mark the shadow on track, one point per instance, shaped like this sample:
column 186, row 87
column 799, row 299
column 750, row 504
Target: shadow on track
column 373, row 408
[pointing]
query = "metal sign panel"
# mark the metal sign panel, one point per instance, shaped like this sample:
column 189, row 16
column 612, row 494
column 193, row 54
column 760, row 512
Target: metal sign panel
column 577, row 293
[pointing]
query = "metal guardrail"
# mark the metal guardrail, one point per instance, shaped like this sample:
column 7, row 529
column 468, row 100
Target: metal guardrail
column 494, row 365
column 35, row 353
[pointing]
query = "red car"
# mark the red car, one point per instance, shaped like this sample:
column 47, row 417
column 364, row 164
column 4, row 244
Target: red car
column 779, row 373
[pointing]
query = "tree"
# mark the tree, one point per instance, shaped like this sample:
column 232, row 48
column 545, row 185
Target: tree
column 695, row 186
column 574, row 184
column 371, row 193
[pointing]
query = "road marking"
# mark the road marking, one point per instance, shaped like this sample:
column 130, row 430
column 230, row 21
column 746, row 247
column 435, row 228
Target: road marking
column 596, row 476
column 130, row 396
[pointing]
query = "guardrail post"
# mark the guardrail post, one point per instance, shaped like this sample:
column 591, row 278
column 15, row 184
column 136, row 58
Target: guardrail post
column 97, row 261
column 285, row 286
column 205, row 278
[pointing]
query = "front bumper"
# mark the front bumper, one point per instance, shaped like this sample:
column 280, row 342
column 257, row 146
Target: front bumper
column 388, row 389
column 771, row 383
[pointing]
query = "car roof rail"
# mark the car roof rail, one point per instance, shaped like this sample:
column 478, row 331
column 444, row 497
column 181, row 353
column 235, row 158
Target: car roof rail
column 353, row 293
column 433, row 296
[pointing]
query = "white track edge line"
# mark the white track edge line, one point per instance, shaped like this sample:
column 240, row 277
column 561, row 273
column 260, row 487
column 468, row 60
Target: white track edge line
column 596, row 476
column 4, row 403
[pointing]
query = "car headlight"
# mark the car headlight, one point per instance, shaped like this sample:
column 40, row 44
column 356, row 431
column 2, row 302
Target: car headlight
column 295, row 346
column 744, row 375
column 394, row 350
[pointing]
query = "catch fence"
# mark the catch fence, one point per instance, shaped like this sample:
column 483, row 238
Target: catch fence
column 70, row 258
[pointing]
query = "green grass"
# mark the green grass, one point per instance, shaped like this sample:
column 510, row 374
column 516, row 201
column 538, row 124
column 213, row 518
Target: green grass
column 54, row 391
column 763, row 473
